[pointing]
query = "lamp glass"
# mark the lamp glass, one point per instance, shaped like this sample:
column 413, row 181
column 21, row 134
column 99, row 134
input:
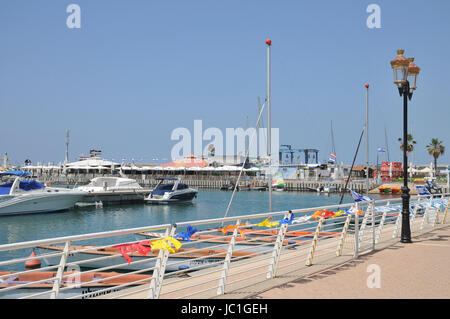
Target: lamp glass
column 400, row 67
column 413, row 72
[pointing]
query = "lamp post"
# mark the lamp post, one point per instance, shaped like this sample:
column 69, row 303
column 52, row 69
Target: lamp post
column 405, row 77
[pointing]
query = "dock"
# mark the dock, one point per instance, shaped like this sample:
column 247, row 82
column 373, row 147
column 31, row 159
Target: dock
column 215, row 182
column 117, row 196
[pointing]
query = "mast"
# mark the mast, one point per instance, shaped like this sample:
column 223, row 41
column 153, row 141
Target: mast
column 333, row 150
column 386, row 142
column 269, row 142
column 67, row 147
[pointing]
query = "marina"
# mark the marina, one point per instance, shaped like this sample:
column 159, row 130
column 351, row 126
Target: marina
column 222, row 151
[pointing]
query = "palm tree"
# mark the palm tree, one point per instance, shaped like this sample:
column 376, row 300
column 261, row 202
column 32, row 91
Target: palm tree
column 411, row 142
column 436, row 149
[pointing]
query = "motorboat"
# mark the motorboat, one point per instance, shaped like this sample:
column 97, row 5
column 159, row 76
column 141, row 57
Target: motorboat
column 326, row 189
column 110, row 183
column 26, row 196
column 170, row 190
column 228, row 187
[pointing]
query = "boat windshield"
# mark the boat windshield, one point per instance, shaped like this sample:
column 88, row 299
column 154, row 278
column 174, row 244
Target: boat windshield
column 24, row 185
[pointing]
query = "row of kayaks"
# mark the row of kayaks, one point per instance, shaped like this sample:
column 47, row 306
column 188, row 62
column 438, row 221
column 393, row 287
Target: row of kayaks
column 205, row 250
column 73, row 284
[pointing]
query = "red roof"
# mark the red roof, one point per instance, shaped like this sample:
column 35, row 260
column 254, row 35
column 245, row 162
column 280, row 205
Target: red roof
column 187, row 161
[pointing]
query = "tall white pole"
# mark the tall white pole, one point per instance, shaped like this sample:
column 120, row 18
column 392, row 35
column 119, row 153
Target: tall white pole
column 67, row 147
column 269, row 129
column 367, row 138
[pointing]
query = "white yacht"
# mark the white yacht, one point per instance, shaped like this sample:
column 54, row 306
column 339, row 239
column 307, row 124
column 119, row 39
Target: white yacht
column 110, row 183
column 25, row 196
column 172, row 192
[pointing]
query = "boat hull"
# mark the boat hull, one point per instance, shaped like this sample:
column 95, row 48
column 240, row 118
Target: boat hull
column 39, row 203
column 179, row 197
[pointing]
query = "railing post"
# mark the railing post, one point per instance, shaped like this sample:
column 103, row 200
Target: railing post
column 343, row 235
column 273, row 266
column 363, row 226
column 380, row 227
column 397, row 225
column 412, row 218
column 160, row 267
column 424, row 219
column 59, row 273
column 310, row 257
column 226, row 264
column 356, row 249
column 372, row 208
column 436, row 216
column 445, row 215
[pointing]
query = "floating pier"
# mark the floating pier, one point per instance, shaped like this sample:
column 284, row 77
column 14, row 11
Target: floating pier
column 117, row 197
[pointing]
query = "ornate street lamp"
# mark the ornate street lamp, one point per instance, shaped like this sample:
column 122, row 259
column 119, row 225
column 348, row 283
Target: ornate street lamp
column 405, row 77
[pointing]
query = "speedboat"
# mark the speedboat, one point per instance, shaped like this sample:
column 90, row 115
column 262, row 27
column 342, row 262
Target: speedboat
column 26, row 196
column 110, row 183
column 172, row 192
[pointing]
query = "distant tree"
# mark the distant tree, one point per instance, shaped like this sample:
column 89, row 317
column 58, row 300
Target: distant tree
column 435, row 149
column 410, row 142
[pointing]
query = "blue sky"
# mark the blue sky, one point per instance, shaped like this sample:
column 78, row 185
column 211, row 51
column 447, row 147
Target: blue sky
column 136, row 70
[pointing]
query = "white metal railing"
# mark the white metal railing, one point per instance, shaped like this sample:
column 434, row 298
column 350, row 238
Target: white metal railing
column 223, row 255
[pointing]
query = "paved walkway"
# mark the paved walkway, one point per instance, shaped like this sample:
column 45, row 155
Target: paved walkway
column 418, row 270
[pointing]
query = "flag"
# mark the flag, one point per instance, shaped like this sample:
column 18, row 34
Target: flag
column 381, row 150
column 422, row 190
column 359, row 198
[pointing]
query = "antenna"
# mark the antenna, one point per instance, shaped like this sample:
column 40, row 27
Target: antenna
column 333, row 150
column 386, row 142
column 67, row 147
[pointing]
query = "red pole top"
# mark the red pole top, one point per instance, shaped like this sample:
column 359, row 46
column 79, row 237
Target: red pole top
column 367, row 85
column 268, row 42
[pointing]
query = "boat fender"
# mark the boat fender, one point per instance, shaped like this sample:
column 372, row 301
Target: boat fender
column 33, row 263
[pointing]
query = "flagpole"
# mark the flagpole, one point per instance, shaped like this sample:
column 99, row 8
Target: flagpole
column 367, row 138
column 269, row 141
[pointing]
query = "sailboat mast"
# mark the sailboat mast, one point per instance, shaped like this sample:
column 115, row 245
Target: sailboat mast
column 66, row 160
column 386, row 142
column 333, row 150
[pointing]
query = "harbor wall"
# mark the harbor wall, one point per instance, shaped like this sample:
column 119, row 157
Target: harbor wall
column 210, row 182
